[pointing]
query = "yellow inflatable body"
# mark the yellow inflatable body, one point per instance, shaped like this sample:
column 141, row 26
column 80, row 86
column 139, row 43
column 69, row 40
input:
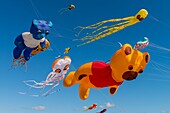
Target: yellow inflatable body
column 39, row 49
column 125, row 64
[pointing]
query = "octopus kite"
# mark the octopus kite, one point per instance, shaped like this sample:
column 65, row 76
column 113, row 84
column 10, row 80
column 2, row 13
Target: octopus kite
column 60, row 67
column 101, row 30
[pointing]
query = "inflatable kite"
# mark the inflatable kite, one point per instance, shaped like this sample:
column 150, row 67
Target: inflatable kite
column 30, row 41
column 91, row 107
column 59, row 68
column 142, row 44
column 126, row 64
column 101, row 30
column 71, row 6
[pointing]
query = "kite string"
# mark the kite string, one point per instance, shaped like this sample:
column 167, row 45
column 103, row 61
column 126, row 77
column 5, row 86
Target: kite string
column 159, row 47
column 161, row 22
column 109, row 100
column 35, row 9
column 39, row 15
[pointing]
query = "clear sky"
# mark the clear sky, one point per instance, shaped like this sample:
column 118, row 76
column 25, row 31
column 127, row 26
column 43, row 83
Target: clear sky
column 149, row 93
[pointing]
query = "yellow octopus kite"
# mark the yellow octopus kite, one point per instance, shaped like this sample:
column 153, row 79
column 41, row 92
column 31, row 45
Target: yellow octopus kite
column 108, row 30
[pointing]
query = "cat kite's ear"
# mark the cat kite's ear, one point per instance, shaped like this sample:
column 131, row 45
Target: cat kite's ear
column 50, row 24
column 35, row 22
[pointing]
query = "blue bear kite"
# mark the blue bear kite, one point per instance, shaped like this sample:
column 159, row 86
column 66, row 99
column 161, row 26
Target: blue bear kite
column 29, row 41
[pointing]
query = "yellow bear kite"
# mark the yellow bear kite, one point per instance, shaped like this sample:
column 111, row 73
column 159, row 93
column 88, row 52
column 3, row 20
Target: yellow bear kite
column 126, row 64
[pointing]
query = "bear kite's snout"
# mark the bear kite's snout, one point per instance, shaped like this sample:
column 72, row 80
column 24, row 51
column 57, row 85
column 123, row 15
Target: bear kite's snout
column 129, row 75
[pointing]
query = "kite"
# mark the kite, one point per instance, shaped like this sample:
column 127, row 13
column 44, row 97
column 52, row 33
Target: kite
column 142, row 44
column 71, row 6
column 40, row 49
column 29, row 41
column 59, row 68
column 67, row 50
column 126, row 64
column 102, row 111
column 91, row 107
column 101, row 30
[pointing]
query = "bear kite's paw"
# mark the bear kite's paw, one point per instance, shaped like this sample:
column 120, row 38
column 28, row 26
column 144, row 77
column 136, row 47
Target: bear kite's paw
column 83, row 91
column 113, row 89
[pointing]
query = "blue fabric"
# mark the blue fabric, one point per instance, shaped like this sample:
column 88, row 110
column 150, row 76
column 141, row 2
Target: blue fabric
column 37, row 25
column 27, row 53
column 43, row 44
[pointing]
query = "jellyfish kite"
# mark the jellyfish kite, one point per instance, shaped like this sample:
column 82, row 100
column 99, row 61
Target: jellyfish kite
column 142, row 44
column 100, row 30
column 70, row 7
column 59, row 68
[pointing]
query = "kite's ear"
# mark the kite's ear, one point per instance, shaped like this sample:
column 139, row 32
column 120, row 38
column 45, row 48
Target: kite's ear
column 50, row 24
column 35, row 22
column 146, row 57
column 126, row 49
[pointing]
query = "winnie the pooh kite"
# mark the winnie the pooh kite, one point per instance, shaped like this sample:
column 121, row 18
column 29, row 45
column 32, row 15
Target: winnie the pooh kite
column 126, row 64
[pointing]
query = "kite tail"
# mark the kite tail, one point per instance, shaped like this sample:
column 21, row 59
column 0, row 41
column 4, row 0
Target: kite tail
column 85, row 110
column 98, row 36
column 35, row 85
column 63, row 10
column 90, row 37
column 95, row 26
column 108, row 27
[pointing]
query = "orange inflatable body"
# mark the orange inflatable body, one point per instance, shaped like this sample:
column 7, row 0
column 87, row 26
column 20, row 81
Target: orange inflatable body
column 39, row 49
column 125, row 64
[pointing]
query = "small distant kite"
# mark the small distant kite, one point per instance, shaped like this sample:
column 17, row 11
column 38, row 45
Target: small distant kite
column 101, row 30
column 142, row 44
column 91, row 107
column 71, row 6
column 67, row 50
column 102, row 111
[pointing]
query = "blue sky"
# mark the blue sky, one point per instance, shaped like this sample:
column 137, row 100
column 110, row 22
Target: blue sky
column 149, row 93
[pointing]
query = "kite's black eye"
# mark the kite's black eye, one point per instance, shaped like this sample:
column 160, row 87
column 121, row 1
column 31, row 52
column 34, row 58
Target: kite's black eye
column 39, row 31
column 141, row 71
column 47, row 32
column 130, row 67
column 138, row 17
